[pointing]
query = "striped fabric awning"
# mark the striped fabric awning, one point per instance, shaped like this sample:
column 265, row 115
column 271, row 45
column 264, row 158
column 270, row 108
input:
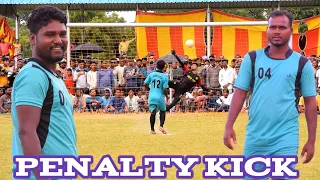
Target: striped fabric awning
column 309, row 42
column 232, row 40
column 161, row 40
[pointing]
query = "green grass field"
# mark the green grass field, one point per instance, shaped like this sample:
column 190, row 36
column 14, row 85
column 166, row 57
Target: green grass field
column 188, row 134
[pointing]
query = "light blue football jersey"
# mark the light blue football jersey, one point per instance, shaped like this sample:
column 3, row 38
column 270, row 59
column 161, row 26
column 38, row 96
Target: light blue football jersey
column 157, row 82
column 273, row 111
column 38, row 87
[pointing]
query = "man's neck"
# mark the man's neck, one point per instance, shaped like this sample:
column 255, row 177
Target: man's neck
column 278, row 52
column 49, row 65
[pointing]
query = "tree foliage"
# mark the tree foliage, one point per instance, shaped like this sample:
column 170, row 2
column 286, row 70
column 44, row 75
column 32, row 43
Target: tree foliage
column 109, row 38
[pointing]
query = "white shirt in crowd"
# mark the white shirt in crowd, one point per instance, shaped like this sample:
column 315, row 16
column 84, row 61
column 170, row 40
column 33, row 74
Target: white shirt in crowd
column 318, row 77
column 92, row 79
column 226, row 76
column 81, row 81
column 119, row 72
column 132, row 103
column 225, row 100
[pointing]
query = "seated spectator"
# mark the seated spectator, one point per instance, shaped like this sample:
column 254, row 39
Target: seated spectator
column 200, row 100
column 5, row 101
column 118, row 104
column 142, row 101
column 224, row 101
column 94, row 103
column 79, row 101
column 106, row 100
column 132, row 101
column 212, row 104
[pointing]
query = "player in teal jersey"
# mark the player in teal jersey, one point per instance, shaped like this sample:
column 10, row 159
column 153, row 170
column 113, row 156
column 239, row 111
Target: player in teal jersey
column 276, row 75
column 157, row 82
column 42, row 111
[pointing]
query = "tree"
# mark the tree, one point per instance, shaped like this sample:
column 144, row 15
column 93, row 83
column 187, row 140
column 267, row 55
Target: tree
column 106, row 37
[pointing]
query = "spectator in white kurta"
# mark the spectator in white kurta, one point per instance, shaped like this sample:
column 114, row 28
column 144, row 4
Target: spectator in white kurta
column 80, row 77
column 92, row 76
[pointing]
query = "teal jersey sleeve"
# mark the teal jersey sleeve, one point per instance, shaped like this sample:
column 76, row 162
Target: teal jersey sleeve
column 165, row 82
column 307, row 82
column 30, row 87
column 244, row 77
column 148, row 79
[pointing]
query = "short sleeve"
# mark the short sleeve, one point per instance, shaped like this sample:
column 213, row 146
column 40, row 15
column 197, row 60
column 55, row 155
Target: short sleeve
column 148, row 79
column 308, row 84
column 244, row 77
column 166, row 82
column 30, row 87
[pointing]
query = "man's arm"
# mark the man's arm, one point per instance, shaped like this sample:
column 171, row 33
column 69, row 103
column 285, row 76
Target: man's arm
column 1, row 107
column 166, row 93
column 237, row 101
column 29, row 93
column 308, row 90
column 311, row 116
column 29, row 118
column 239, row 96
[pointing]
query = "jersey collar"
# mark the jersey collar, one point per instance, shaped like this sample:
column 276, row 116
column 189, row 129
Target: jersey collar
column 267, row 53
column 43, row 66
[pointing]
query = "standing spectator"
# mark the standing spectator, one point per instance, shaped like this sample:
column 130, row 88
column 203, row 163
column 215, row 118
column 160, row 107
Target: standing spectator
column 213, row 76
column 120, row 70
column 204, row 72
column 118, row 104
column 132, row 101
column 5, row 101
column 177, row 72
column 69, row 81
column 92, row 76
column 4, row 70
column 124, row 45
column 63, row 68
column 18, row 48
column 4, row 47
column 130, row 75
column 113, row 67
column 142, row 73
column 151, row 68
column 104, row 78
column 79, row 101
column 80, row 77
column 15, row 71
column 94, row 103
column 226, row 76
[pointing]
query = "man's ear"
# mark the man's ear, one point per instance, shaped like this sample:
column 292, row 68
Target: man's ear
column 32, row 39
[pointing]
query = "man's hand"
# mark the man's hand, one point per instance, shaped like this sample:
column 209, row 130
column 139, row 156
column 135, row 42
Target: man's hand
column 229, row 134
column 308, row 149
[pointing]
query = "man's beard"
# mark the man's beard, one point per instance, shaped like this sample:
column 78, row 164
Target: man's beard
column 47, row 55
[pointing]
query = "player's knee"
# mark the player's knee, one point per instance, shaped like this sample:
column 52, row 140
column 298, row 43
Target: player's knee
column 153, row 112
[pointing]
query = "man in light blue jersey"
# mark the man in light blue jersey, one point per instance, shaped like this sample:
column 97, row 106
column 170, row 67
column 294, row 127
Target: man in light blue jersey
column 275, row 75
column 157, row 82
column 42, row 111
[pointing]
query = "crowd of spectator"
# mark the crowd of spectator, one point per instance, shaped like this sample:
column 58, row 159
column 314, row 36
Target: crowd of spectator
column 116, row 85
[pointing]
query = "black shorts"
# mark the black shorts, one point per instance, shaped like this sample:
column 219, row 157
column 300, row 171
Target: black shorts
column 177, row 88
